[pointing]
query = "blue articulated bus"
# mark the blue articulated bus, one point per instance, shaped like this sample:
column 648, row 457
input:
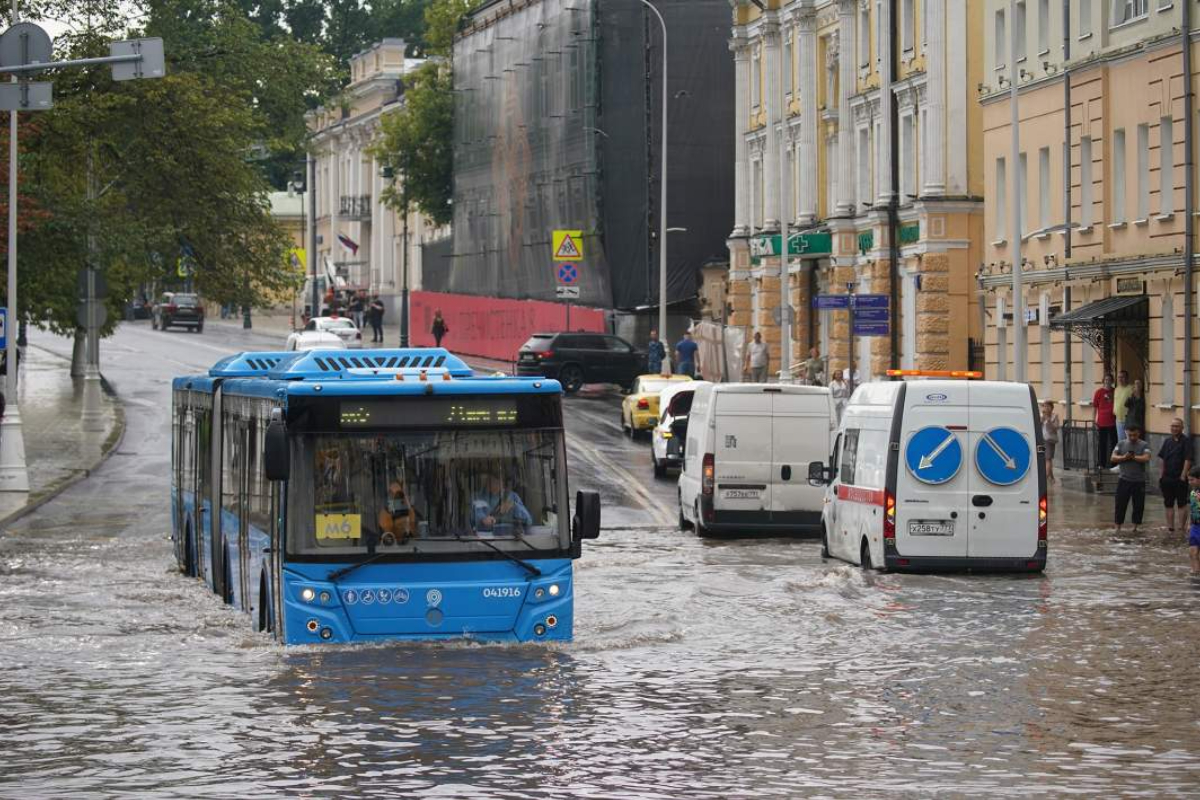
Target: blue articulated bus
column 347, row 496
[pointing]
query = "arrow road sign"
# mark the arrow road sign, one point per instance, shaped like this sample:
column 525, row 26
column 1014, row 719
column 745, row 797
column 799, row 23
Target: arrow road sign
column 1003, row 456
column 566, row 292
column 933, row 455
column 567, row 273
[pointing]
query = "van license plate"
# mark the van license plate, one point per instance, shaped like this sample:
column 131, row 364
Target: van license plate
column 741, row 494
column 931, row 527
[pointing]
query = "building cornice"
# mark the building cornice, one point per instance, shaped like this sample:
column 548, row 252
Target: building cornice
column 1089, row 271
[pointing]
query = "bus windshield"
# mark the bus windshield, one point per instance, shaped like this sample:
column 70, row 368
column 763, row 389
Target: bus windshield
column 437, row 492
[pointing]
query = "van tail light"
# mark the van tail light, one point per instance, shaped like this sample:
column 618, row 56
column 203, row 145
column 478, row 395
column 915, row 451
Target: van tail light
column 643, row 404
column 1043, row 520
column 889, row 518
column 545, row 354
column 708, row 474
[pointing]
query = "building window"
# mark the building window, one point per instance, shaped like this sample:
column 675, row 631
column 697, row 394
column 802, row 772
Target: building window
column 1118, row 169
column 1047, row 357
column 907, row 158
column 1166, row 169
column 1168, row 369
column 999, row 38
column 1044, row 198
column 1001, row 195
column 756, row 78
column 787, row 64
column 1129, row 10
column 1143, row 172
column 1085, row 18
column 864, row 167
column 879, row 49
column 1019, row 30
column 1043, row 31
column 907, row 21
column 864, row 37
column 1085, row 182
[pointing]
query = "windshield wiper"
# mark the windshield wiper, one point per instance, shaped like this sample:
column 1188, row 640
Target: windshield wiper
column 338, row 574
column 520, row 561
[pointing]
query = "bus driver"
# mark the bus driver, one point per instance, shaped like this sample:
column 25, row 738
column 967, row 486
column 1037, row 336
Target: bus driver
column 398, row 519
column 494, row 506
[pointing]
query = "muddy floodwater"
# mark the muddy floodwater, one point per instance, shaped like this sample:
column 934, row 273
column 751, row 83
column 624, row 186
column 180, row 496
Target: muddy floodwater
column 729, row 669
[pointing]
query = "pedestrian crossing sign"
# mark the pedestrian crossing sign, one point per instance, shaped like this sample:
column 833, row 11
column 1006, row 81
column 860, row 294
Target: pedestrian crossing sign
column 568, row 245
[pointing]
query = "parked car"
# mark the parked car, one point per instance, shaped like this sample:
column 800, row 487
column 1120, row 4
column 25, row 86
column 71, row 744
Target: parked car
column 341, row 327
column 315, row 340
column 578, row 358
column 668, row 437
column 639, row 409
column 179, row 309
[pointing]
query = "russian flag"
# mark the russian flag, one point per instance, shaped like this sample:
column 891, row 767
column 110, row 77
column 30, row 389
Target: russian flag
column 348, row 243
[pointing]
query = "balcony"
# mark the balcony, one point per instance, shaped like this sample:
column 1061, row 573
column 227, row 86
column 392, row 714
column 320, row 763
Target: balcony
column 355, row 207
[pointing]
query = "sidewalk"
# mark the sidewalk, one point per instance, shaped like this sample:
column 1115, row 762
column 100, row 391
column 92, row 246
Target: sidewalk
column 58, row 452
column 279, row 323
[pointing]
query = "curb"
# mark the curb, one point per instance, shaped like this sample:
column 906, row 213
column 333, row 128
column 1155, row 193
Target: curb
column 110, row 446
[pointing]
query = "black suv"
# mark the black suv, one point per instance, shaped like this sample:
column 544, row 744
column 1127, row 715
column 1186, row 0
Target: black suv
column 579, row 358
column 179, row 309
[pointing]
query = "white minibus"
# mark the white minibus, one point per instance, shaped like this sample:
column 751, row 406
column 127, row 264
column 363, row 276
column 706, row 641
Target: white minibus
column 937, row 475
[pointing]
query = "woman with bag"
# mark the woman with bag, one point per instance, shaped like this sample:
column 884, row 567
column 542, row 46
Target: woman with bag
column 439, row 328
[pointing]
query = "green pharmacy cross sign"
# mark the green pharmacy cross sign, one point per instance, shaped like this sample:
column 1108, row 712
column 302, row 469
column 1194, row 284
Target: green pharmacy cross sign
column 799, row 244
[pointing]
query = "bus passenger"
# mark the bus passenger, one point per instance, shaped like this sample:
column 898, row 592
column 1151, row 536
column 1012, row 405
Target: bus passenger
column 494, row 506
column 398, row 519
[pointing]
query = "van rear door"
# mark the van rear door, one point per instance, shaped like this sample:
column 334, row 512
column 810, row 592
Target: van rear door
column 932, row 481
column 1003, row 472
column 800, row 434
column 742, row 451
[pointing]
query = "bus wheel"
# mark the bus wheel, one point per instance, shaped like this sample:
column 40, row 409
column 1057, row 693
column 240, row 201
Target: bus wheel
column 824, row 542
column 865, row 556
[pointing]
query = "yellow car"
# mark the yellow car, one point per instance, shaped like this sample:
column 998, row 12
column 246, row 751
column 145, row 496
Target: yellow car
column 639, row 409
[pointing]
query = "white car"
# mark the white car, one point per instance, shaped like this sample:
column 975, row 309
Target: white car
column 317, row 332
column 666, row 440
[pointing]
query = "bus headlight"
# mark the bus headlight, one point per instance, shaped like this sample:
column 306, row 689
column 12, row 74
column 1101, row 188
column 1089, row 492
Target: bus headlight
column 307, row 594
column 554, row 590
column 324, row 597
column 551, row 621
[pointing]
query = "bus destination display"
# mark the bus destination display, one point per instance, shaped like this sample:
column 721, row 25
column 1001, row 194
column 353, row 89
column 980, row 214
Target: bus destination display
column 466, row 412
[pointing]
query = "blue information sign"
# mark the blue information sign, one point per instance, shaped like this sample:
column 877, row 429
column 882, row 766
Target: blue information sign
column 872, row 301
column 1002, row 456
column 831, row 302
column 933, row 455
column 871, row 328
column 872, row 314
column 3, row 328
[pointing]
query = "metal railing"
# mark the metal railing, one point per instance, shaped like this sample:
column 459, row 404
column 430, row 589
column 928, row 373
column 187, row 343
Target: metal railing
column 1077, row 439
column 355, row 207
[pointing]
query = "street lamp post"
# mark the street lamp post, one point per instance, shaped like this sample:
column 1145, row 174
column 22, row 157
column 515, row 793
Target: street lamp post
column 662, row 210
column 1019, row 354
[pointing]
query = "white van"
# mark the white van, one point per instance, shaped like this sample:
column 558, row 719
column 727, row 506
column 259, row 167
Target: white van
column 937, row 475
column 745, row 465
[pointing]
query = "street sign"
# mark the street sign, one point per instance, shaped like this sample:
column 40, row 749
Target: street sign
column 3, row 328
column 25, row 43
column 799, row 244
column 778, row 313
column 870, row 328
column 84, row 319
column 872, row 301
column 567, row 273
column 101, row 286
column 27, row 96
column 151, row 65
column 566, row 292
column 831, row 302
column 872, row 315
column 933, row 455
column 568, row 245
column 1002, row 456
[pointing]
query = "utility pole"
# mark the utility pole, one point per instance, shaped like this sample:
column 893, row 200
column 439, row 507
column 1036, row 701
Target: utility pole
column 662, row 203
column 315, row 310
column 785, row 305
column 1015, row 187
column 92, row 416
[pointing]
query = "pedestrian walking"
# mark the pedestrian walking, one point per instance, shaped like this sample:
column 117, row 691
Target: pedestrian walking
column 1131, row 456
column 839, row 390
column 357, row 309
column 1194, row 516
column 375, row 317
column 1176, row 455
column 1050, row 427
column 1135, row 408
column 685, row 355
column 758, row 359
column 439, row 328
column 814, row 367
column 656, row 353
column 1121, row 393
column 1106, row 421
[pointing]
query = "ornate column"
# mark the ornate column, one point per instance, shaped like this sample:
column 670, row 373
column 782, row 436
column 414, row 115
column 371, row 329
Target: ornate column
column 935, row 87
column 847, row 20
column 806, row 54
column 772, row 109
column 741, row 116
column 883, row 175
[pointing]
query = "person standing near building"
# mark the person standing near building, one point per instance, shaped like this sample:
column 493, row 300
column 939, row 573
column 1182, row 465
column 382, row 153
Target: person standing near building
column 656, row 351
column 1176, row 455
column 1121, row 393
column 439, row 328
column 375, row 317
column 1194, row 516
column 1135, row 408
column 685, row 355
column 1131, row 456
column 814, row 367
column 1106, row 421
column 1050, row 427
column 839, row 390
column 758, row 359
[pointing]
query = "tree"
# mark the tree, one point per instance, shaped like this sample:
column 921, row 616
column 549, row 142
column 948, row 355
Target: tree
column 442, row 19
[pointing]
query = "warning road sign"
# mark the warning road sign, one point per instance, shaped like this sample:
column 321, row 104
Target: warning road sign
column 567, row 273
column 568, row 245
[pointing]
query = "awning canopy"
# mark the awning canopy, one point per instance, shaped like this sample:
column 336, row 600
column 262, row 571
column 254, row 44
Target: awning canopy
column 1101, row 322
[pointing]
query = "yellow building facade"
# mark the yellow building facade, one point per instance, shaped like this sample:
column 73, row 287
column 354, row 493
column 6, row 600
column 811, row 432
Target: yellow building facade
column 1099, row 200
column 814, row 151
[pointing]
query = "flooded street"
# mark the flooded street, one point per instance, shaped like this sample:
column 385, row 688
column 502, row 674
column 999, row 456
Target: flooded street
column 705, row 669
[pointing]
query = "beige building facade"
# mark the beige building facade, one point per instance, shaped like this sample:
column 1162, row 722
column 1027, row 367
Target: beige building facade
column 350, row 185
column 1099, row 197
column 814, row 150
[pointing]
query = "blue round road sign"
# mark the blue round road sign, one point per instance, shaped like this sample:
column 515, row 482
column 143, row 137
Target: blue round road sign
column 933, row 455
column 568, row 273
column 1002, row 456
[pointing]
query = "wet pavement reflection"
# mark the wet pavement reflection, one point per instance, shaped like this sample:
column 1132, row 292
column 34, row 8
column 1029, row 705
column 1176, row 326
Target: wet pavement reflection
column 722, row 669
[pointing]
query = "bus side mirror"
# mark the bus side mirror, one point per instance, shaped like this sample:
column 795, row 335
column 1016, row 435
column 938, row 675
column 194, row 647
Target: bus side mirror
column 586, row 524
column 817, row 473
column 277, row 457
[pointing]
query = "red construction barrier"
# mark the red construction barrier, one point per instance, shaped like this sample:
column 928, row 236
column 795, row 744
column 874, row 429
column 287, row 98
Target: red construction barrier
column 493, row 327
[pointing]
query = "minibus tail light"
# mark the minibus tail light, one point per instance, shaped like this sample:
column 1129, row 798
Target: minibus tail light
column 643, row 404
column 708, row 474
column 1043, row 520
column 889, row 518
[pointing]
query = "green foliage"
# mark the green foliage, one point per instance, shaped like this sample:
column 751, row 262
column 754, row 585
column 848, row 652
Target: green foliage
column 417, row 143
column 442, row 19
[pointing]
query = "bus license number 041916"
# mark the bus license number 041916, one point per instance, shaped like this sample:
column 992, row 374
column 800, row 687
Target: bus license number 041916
column 502, row 591
column 931, row 527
